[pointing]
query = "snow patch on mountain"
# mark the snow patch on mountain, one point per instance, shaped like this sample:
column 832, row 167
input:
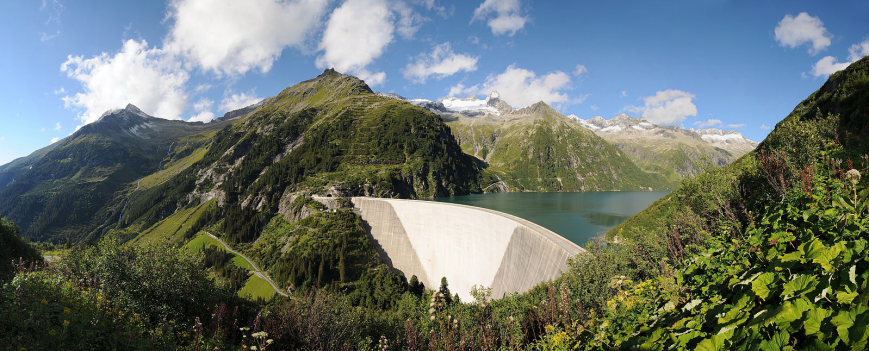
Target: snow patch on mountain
column 624, row 126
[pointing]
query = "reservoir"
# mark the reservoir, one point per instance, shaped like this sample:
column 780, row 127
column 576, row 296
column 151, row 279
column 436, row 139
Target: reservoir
column 578, row 216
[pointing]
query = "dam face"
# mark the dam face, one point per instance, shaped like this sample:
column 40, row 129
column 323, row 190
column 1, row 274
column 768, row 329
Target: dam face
column 470, row 246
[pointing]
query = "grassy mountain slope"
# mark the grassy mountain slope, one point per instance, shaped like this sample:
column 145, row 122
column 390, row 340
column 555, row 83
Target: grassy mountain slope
column 538, row 149
column 72, row 188
column 833, row 120
column 675, row 158
column 331, row 133
column 129, row 170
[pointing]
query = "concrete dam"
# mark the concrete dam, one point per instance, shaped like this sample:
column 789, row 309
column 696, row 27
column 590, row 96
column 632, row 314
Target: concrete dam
column 470, row 246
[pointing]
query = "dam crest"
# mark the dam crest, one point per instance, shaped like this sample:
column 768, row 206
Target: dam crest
column 470, row 246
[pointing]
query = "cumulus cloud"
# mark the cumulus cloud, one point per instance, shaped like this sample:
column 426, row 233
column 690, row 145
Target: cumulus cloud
column 708, row 123
column 829, row 64
column 240, row 100
column 502, row 16
column 765, row 127
column 146, row 77
column 203, row 111
column 250, row 34
column 803, row 29
column 521, row 87
column 54, row 140
column 667, row 107
column 57, row 126
column 440, row 63
column 356, row 34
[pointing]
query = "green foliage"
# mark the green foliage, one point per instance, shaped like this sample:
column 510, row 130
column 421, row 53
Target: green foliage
column 13, row 248
column 44, row 311
column 796, row 278
column 114, row 297
column 323, row 248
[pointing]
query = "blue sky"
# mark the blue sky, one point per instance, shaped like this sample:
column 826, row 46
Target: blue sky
column 734, row 64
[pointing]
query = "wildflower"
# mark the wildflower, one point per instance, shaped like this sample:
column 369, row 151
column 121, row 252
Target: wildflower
column 65, row 323
column 253, row 348
column 853, row 175
column 44, row 301
column 269, row 341
column 66, row 310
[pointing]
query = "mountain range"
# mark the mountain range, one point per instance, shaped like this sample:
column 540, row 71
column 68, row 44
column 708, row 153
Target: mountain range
column 129, row 171
column 491, row 130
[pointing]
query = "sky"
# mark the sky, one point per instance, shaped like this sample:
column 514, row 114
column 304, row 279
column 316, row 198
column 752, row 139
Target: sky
column 740, row 65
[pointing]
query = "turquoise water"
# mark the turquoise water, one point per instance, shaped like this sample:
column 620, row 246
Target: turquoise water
column 579, row 217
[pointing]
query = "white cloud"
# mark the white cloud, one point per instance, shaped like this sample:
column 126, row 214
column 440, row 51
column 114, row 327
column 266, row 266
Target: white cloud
column 829, row 64
column 44, row 37
column 667, row 107
column 232, row 37
column 624, row 93
column 143, row 76
column 737, row 125
column 240, row 100
column 804, row 28
column 203, row 111
column 521, row 87
column 708, row 123
column 356, row 34
column 764, row 127
column 859, row 50
column 580, row 70
column 432, row 5
column 54, row 140
column 504, row 16
column 409, row 21
column 457, row 90
column 440, row 63
column 57, row 126
column 54, row 10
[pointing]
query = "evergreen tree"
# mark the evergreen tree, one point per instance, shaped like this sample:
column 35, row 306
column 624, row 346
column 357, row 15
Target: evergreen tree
column 445, row 290
column 416, row 286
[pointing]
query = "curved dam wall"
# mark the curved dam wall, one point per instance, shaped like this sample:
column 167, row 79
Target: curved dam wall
column 467, row 245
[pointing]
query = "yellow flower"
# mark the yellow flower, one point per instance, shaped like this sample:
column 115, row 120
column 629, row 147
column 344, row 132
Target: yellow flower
column 44, row 301
column 66, row 310
column 65, row 323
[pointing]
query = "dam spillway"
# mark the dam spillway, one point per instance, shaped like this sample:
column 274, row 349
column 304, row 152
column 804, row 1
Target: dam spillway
column 470, row 246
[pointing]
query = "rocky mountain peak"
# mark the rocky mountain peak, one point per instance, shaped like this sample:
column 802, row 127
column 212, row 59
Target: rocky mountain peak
column 539, row 107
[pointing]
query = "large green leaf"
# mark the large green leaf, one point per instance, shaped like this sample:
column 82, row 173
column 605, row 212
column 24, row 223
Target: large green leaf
column 761, row 285
column 793, row 310
column 843, row 321
column 815, row 319
column 776, row 343
column 802, row 284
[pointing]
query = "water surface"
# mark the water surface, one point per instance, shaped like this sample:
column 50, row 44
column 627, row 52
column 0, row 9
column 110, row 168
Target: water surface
column 579, row 217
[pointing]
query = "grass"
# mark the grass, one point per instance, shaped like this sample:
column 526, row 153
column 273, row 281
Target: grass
column 257, row 288
column 172, row 229
column 172, row 169
column 200, row 242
